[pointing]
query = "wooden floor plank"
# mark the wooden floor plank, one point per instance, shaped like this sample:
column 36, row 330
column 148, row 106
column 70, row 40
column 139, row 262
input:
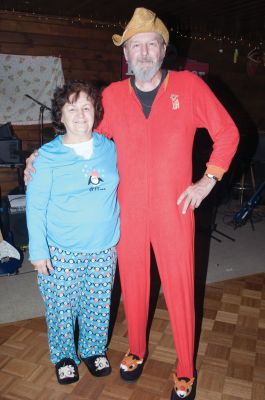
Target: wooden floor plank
column 230, row 360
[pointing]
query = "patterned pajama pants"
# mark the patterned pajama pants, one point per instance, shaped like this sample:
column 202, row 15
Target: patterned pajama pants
column 79, row 287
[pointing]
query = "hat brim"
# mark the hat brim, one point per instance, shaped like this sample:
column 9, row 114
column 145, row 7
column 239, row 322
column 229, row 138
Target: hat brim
column 160, row 29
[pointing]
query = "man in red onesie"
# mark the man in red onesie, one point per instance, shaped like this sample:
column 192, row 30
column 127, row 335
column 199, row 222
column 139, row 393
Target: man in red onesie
column 152, row 118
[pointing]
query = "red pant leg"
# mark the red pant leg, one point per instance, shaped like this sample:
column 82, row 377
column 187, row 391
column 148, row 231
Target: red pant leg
column 134, row 267
column 172, row 237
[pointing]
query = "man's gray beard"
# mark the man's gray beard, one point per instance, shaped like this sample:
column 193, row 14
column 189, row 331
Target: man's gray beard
column 148, row 74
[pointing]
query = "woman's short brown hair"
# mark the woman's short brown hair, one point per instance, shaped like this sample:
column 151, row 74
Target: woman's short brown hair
column 61, row 97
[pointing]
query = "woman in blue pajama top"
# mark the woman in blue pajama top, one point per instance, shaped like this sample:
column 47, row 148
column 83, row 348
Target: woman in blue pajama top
column 73, row 224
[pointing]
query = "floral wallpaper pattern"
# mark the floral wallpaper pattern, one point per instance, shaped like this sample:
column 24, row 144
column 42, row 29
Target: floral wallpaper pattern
column 21, row 75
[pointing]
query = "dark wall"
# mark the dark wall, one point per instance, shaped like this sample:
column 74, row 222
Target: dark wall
column 87, row 52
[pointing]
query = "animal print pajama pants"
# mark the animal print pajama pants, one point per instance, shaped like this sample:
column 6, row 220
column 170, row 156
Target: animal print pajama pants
column 78, row 288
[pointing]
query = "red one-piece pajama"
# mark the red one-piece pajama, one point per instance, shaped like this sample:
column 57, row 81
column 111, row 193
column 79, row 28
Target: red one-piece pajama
column 155, row 166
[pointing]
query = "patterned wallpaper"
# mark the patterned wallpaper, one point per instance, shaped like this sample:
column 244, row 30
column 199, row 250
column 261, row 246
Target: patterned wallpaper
column 21, row 75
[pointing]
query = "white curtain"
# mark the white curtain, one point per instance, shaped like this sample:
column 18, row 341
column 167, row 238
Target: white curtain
column 21, row 75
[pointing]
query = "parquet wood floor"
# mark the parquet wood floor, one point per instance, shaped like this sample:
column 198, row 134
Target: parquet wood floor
column 230, row 361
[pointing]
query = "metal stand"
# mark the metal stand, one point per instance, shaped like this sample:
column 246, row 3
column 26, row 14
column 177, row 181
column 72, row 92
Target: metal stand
column 245, row 212
column 220, row 233
column 43, row 107
column 243, row 186
column 41, row 124
column 220, row 197
column 213, row 229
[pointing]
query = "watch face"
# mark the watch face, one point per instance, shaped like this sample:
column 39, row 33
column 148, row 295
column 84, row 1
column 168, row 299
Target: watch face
column 210, row 176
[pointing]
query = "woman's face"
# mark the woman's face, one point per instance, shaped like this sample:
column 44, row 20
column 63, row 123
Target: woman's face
column 78, row 117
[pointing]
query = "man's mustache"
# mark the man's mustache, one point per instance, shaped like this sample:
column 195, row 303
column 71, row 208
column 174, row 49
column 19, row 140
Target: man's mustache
column 144, row 59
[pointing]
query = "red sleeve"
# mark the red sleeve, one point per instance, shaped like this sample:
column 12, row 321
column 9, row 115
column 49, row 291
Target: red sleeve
column 105, row 126
column 209, row 113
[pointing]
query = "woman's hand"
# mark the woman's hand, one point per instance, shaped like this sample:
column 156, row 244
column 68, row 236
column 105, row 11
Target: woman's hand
column 29, row 167
column 42, row 266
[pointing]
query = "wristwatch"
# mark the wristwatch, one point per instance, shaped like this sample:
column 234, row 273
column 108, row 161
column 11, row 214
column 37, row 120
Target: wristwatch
column 210, row 176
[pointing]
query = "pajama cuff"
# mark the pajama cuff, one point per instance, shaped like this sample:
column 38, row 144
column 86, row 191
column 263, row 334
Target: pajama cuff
column 216, row 171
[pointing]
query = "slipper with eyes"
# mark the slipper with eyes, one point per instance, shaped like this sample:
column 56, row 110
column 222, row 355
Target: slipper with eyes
column 66, row 371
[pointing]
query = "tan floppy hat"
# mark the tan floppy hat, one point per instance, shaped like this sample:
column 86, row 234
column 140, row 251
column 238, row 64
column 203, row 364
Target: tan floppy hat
column 143, row 20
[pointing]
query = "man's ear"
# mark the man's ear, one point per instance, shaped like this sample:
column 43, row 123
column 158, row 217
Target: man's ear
column 165, row 49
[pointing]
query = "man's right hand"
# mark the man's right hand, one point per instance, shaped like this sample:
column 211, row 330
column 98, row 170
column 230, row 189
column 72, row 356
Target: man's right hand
column 29, row 167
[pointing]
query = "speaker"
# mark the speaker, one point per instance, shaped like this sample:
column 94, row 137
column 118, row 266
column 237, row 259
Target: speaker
column 18, row 228
column 10, row 151
column 6, row 131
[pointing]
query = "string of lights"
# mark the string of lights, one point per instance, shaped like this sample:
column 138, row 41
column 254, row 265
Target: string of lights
column 187, row 33
column 72, row 20
column 223, row 39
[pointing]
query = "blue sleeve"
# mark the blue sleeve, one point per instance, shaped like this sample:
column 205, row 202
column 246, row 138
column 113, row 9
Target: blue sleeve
column 37, row 199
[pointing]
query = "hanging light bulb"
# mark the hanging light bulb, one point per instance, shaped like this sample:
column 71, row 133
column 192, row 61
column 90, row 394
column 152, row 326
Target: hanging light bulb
column 220, row 46
column 235, row 58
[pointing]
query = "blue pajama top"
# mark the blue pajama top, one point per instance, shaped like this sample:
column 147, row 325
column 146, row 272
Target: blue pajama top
column 71, row 201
